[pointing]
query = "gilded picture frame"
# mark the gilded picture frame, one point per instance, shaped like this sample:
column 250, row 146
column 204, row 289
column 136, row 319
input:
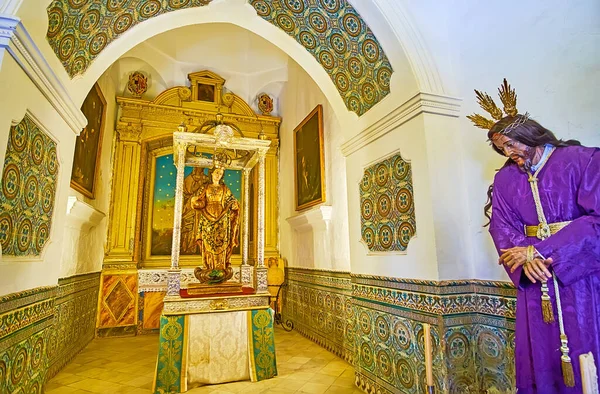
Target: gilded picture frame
column 88, row 145
column 158, row 154
column 309, row 161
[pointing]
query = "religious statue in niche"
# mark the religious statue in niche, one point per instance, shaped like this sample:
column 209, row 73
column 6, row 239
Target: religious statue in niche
column 138, row 84
column 218, row 227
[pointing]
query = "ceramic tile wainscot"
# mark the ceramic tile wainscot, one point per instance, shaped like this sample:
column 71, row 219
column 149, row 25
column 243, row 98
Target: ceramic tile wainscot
column 381, row 329
column 42, row 329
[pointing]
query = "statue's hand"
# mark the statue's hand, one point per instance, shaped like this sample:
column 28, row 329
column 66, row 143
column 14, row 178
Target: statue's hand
column 538, row 269
column 513, row 257
column 197, row 202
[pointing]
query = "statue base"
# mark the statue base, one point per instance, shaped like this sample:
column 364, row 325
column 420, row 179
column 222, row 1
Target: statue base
column 220, row 288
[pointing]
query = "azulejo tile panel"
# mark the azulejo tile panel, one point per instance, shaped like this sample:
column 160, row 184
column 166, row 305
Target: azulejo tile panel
column 54, row 324
column 78, row 30
column 75, row 318
column 340, row 40
column 387, row 212
column 494, row 357
column 23, row 367
column 472, row 326
column 25, row 350
column 390, row 350
column 28, row 190
column 330, row 30
column 318, row 302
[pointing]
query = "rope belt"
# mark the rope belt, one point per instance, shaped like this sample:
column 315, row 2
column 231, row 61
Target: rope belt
column 533, row 231
column 543, row 231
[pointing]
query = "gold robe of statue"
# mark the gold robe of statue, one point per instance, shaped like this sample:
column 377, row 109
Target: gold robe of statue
column 189, row 219
column 218, row 223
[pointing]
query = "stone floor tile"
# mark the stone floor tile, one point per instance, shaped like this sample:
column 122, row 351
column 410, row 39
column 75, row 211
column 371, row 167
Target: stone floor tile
column 127, row 366
column 314, row 388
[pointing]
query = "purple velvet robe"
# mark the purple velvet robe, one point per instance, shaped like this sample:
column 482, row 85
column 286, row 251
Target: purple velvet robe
column 569, row 186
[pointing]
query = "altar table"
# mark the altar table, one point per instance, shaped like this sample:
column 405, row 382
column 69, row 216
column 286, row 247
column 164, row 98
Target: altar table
column 214, row 340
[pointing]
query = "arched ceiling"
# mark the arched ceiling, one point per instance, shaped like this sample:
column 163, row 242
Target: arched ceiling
column 331, row 30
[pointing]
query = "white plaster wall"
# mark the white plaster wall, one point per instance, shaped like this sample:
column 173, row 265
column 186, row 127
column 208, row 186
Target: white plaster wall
column 419, row 261
column 20, row 94
column 126, row 65
column 83, row 248
column 548, row 50
column 300, row 96
column 249, row 63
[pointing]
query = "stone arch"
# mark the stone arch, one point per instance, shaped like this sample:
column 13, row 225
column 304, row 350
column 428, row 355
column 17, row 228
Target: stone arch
column 353, row 65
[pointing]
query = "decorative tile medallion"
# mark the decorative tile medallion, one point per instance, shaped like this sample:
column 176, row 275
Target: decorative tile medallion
column 78, row 30
column 28, row 190
column 340, row 40
column 331, row 30
column 387, row 211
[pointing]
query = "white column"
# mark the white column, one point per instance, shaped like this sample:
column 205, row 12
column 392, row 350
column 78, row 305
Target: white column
column 246, row 216
column 260, row 258
column 261, row 270
column 173, row 279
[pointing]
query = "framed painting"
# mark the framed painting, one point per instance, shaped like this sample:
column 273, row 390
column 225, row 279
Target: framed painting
column 206, row 92
column 309, row 160
column 88, row 144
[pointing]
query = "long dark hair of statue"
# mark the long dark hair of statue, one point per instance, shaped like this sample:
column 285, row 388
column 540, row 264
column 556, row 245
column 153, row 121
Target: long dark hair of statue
column 530, row 133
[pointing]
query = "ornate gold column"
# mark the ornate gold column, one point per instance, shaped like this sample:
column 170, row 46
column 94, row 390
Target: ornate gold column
column 271, row 213
column 124, row 198
column 118, row 301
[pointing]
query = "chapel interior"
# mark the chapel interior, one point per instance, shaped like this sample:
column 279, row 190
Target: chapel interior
column 348, row 251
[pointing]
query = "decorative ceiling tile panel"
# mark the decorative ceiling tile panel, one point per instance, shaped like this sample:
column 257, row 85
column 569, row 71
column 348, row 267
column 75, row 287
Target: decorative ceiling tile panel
column 78, row 30
column 28, row 190
column 340, row 40
column 331, row 30
column 387, row 205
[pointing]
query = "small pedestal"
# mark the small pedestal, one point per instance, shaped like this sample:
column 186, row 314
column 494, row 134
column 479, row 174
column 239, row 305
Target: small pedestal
column 212, row 340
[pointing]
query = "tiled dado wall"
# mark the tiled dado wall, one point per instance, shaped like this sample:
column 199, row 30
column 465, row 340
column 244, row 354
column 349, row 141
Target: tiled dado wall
column 376, row 324
column 44, row 328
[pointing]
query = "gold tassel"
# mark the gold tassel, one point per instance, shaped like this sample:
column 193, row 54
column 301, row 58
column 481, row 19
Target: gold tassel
column 567, row 371
column 567, row 367
column 547, row 311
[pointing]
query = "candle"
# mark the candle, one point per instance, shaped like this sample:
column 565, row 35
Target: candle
column 428, row 355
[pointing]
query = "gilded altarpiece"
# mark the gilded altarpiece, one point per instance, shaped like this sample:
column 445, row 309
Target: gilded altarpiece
column 141, row 217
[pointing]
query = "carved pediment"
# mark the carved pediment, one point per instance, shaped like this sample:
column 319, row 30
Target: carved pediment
column 204, row 93
column 206, row 77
